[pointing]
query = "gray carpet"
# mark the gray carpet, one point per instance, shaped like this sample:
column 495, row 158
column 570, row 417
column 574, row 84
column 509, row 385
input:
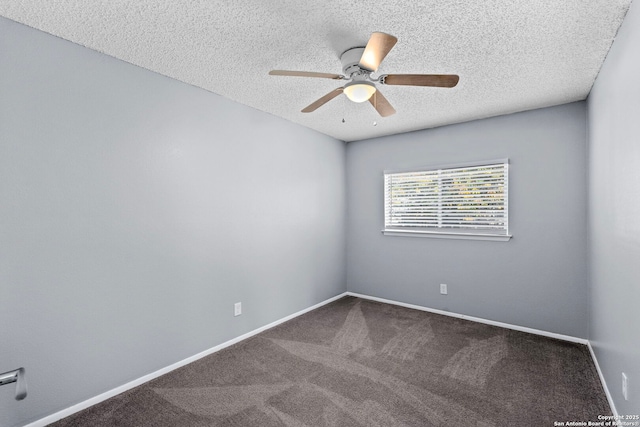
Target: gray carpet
column 361, row 363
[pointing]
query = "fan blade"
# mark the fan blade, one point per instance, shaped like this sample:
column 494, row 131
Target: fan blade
column 305, row 74
column 378, row 46
column 381, row 104
column 434, row 80
column 320, row 102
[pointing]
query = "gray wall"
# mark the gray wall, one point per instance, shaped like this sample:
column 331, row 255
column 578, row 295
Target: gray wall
column 537, row 279
column 614, row 223
column 136, row 210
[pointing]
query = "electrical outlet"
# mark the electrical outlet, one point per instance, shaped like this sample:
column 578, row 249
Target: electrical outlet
column 237, row 309
column 443, row 289
column 625, row 386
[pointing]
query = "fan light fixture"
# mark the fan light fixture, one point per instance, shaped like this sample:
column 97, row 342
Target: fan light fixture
column 357, row 65
column 359, row 91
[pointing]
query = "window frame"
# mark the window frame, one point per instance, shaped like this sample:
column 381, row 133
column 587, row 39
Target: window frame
column 450, row 232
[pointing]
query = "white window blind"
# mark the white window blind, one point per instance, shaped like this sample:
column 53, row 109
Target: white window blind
column 468, row 199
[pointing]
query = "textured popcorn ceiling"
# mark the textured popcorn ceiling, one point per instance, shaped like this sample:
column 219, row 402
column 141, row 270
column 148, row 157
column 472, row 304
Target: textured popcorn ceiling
column 511, row 55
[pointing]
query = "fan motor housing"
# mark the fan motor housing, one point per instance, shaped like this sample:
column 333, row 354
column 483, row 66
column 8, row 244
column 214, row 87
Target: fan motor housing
column 350, row 60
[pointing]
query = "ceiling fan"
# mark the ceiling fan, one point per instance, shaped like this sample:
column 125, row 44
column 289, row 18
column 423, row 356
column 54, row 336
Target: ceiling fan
column 357, row 65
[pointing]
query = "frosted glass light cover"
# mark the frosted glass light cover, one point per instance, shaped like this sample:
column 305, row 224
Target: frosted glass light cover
column 359, row 92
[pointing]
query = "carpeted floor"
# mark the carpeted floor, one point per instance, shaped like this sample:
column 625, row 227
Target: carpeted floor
column 361, row 363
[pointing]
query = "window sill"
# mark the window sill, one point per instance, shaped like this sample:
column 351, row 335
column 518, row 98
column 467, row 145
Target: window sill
column 445, row 235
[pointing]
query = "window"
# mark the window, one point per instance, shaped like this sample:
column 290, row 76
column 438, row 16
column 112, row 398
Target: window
column 463, row 201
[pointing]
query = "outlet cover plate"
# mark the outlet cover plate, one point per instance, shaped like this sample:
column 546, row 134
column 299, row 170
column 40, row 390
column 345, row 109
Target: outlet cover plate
column 237, row 309
column 443, row 289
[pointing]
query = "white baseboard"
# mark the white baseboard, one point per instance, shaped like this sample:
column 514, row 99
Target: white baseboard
column 602, row 380
column 128, row 386
column 476, row 319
